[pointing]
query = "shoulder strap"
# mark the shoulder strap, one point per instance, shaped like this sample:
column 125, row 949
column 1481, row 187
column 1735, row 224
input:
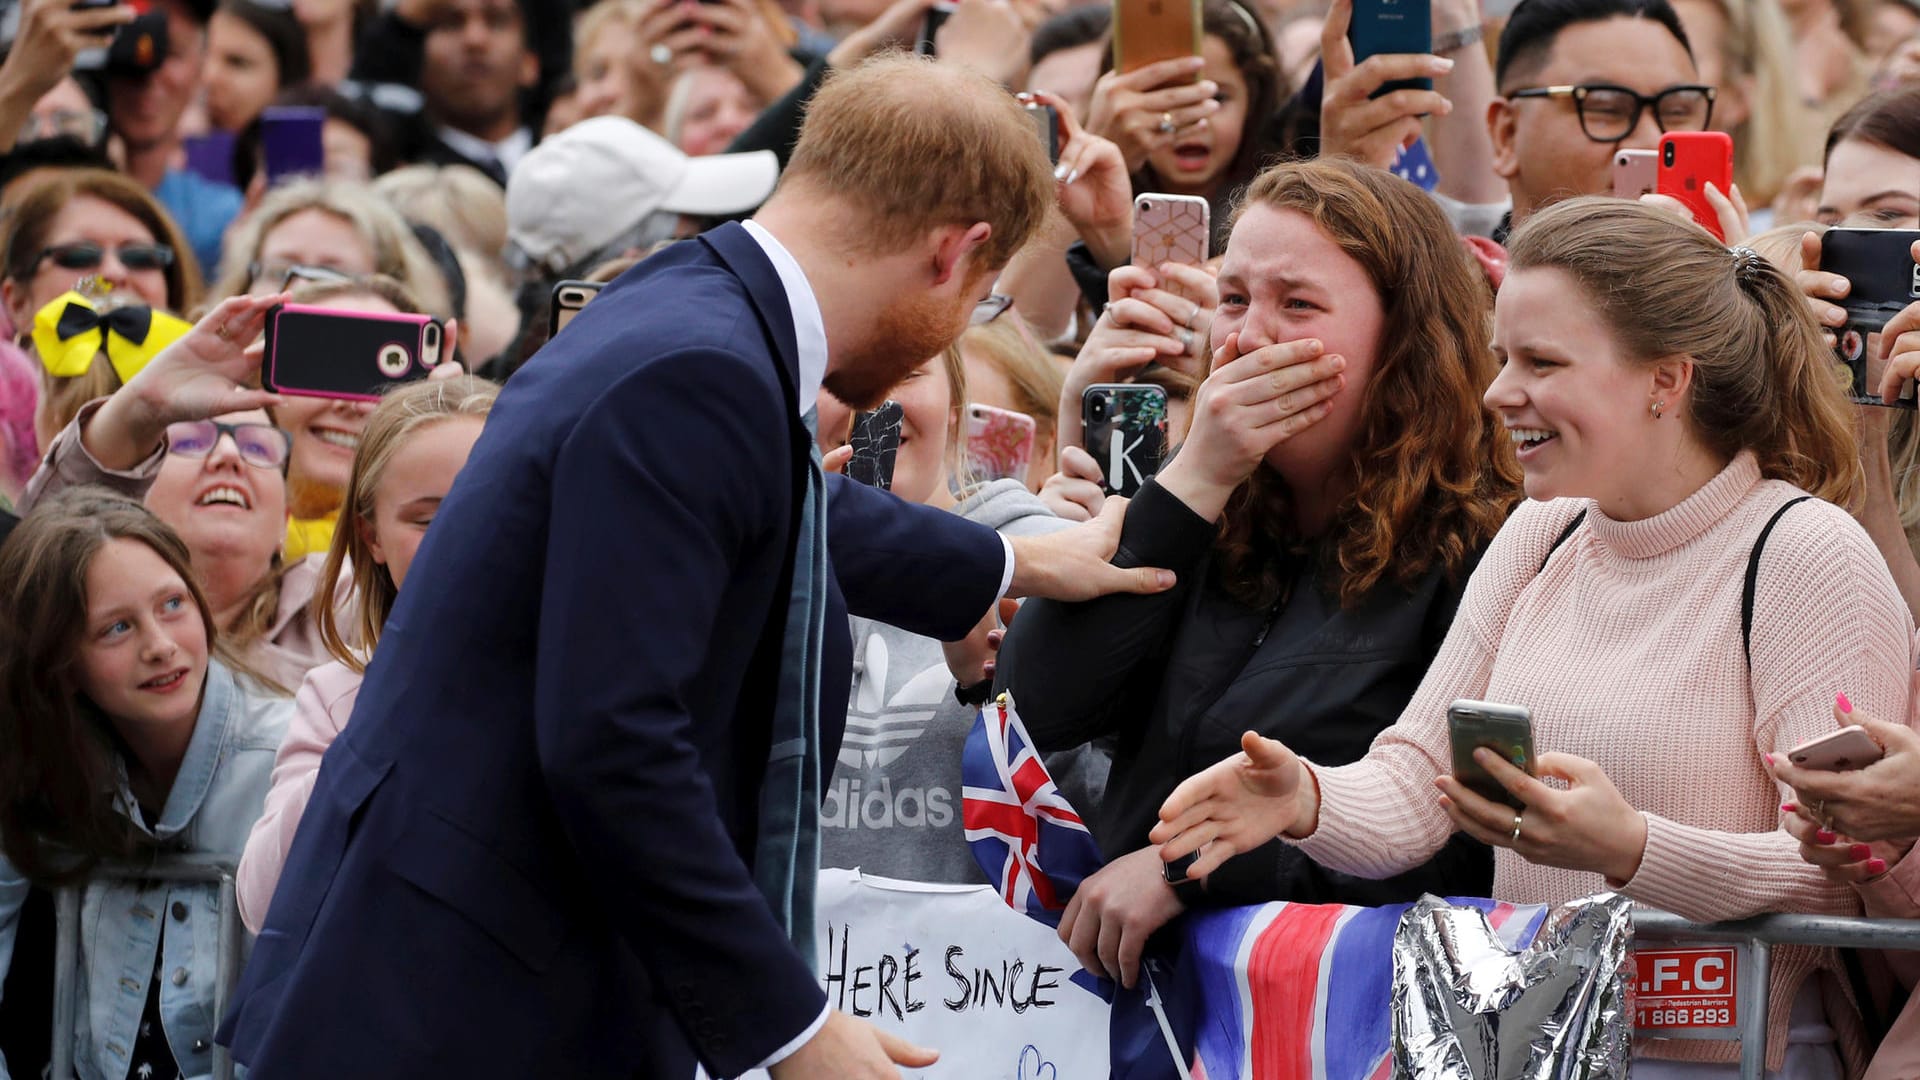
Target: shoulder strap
column 1562, row 538
column 1753, row 577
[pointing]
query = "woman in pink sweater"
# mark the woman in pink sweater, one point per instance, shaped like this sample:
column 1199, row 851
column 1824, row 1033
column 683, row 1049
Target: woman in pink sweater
column 1669, row 398
column 414, row 444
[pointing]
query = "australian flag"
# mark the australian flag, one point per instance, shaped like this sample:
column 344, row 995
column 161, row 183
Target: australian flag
column 1029, row 841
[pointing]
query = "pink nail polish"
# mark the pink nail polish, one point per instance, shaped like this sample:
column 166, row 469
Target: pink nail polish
column 1876, row 866
column 1825, row 836
column 1860, row 851
column 1840, row 699
column 1769, row 759
column 1789, row 808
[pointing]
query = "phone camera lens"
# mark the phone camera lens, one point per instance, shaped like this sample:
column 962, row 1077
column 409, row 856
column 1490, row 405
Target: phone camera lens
column 1667, row 153
column 1100, row 408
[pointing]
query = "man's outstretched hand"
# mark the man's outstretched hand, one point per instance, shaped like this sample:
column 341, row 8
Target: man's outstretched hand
column 849, row 1049
column 1073, row 564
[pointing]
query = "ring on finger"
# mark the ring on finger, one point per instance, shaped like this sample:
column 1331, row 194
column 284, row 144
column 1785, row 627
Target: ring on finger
column 1193, row 316
column 223, row 333
column 1186, row 336
column 1167, row 126
column 1518, row 820
column 662, row 53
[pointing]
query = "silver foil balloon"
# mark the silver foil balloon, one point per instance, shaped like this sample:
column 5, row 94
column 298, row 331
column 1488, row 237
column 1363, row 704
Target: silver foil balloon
column 1466, row 1007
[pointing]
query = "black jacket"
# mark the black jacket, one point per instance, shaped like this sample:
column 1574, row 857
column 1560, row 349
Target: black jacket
column 1178, row 676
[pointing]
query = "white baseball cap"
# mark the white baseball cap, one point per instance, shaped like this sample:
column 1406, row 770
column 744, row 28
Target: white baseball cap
column 576, row 192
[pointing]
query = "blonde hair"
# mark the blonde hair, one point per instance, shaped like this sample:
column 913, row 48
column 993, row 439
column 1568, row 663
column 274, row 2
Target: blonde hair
column 1777, row 136
column 1763, row 379
column 910, row 145
column 457, row 201
column 396, row 253
column 400, row 415
column 1037, row 379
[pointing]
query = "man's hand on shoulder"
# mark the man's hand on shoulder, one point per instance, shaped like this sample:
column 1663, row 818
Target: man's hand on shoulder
column 1074, row 564
column 849, row 1049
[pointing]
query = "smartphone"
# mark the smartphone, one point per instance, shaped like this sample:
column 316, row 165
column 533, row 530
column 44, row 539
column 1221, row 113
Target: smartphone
column 1170, row 228
column 568, row 298
column 1149, row 31
column 291, row 144
column 210, row 156
column 1635, row 173
column 876, row 442
column 1505, row 729
column 352, row 355
column 1387, row 27
column 1878, row 265
column 1046, row 125
column 1125, row 427
column 937, row 16
column 1838, row 751
column 999, row 443
column 1688, row 160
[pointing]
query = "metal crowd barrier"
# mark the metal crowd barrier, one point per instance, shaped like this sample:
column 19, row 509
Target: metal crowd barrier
column 1759, row 935
column 192, row 869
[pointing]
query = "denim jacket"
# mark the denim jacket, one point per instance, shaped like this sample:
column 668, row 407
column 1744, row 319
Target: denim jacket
column 218, row 793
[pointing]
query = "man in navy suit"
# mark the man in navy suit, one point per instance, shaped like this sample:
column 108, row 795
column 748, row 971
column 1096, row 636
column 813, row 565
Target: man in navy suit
column 528, row 854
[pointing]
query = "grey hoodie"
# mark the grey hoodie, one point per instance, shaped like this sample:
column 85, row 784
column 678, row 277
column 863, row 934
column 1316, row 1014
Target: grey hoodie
column 892, row 806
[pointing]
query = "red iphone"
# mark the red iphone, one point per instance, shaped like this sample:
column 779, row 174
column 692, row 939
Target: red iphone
column 1688, row 160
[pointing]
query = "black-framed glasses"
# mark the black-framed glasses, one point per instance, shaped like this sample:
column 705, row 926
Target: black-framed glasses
column 282, row 275
column 86, row 255
column 1609, row 113
column 261, row 445
column 994, row 306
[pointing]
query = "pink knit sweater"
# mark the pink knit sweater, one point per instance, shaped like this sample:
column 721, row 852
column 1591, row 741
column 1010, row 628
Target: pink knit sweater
column 1627, row 648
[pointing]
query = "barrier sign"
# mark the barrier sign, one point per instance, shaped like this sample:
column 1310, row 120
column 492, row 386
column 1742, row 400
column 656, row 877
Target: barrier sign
column 1687, row 993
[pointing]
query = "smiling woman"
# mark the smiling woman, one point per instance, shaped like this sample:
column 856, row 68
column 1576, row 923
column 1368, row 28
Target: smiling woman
column 112, row 681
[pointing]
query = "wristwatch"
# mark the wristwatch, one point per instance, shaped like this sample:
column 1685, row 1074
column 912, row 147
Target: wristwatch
column 1456, row 40
column 1185, row 889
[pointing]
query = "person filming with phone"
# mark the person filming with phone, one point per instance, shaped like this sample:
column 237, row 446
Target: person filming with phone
column 1674, row 408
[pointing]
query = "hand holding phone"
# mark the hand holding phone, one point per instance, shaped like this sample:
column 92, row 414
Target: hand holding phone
column 1171, row 228
column 999, row 443
column 1883, row 279
column 1848, row 748
column 1635, row 173
column 351, row 355
column 1689, row 161
column 1507, row 730
column 1126, row 432
column 1392, row 28
column 1149, row 31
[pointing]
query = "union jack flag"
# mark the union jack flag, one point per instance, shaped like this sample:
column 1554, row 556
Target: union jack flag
column 1025, row 836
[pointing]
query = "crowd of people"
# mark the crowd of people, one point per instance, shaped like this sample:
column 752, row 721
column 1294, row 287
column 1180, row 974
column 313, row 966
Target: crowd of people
column 1494, row 429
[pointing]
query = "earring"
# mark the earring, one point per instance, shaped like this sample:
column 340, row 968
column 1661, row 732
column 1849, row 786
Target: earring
column 1657, row 406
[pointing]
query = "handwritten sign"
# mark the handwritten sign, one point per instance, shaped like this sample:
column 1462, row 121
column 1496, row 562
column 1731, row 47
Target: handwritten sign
column 953, row 968
column 1686, row 993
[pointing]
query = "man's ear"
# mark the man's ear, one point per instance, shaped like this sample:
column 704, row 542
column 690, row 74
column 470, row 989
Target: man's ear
column 1501, row 121
column 952, row 244
column 529, row 69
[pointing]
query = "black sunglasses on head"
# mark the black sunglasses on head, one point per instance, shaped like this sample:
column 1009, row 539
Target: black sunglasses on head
column 87, row 255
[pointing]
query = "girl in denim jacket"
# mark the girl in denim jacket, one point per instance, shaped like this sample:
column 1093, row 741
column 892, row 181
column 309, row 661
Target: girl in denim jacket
column 127, row 736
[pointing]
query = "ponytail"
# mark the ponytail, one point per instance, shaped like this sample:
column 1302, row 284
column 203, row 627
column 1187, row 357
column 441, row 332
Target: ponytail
column 1764, row 380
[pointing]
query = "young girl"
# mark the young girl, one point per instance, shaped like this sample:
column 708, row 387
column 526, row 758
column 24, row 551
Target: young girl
column 126, row 734
column 413, row 446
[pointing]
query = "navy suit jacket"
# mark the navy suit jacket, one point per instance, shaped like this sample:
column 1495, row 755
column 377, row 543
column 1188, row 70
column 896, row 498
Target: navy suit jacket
column 529, row 852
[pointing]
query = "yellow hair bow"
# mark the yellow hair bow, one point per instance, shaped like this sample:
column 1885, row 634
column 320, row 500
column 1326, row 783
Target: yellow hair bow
column 70, row 331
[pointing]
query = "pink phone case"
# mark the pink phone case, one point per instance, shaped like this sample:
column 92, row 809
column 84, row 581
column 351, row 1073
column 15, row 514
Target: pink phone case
column 316, row 351
column 999, row 443
column 1837, row 751
column 1170, row 228
column 1635, row 173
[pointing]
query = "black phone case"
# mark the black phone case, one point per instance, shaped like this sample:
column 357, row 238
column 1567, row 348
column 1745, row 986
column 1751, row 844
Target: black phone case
column 1126, row 432
column 558, row 314
column 1883, row 278
column 340, row 354
column 876, row 442
column 1387, row 27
